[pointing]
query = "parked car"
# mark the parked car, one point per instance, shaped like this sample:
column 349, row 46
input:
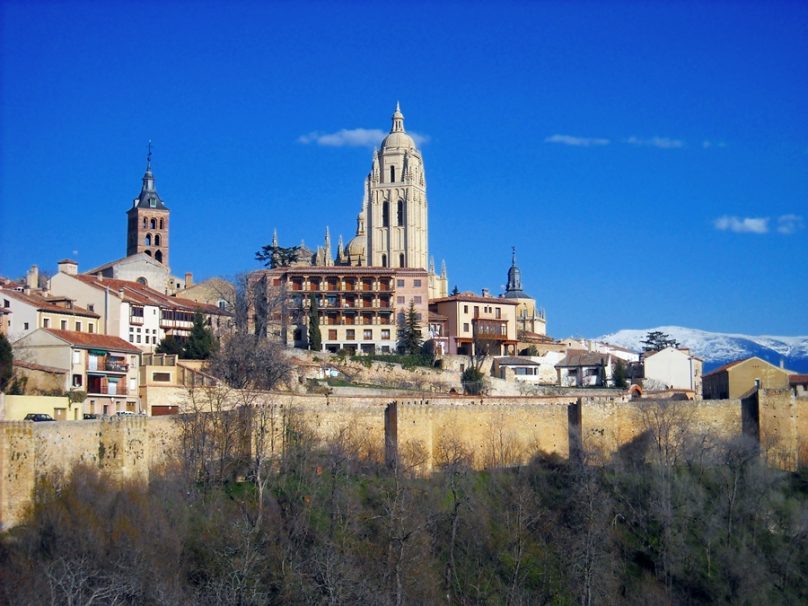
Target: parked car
column 125, row 413
column 88, row 416
column 38, row 417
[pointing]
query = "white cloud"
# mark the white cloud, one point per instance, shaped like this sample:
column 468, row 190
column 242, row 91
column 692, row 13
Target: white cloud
column 354, row 137
column 788, row 224
column 576, row 141
column 745, row 225
column 658, row 142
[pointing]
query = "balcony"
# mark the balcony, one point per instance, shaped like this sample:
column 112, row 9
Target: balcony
column 136, row 319
column 116, row 366
column 491, row 330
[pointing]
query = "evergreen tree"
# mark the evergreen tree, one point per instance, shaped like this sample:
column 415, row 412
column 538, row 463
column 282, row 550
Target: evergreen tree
column 409, row 334
column 277, row 256
column 201, row 343
column 6, row 362
column 315, row 338
column 170, row 345
column 657, row 340
column 455, row 291
column 619, row 375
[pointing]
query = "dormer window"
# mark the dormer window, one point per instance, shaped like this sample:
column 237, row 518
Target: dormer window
column 152, row 202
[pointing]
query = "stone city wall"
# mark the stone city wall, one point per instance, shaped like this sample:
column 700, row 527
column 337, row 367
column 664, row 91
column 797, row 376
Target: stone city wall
column 426, row 432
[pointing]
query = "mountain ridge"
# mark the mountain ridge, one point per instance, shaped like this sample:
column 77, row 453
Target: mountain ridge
column 716, row 348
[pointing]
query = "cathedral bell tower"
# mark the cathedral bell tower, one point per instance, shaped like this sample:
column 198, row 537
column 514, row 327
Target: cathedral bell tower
column 394, row 213
column 147, row 221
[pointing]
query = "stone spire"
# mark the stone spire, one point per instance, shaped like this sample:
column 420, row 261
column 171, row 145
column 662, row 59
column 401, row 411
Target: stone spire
column 398, row 120
column 340, row 251
column 431, row 264
column 275, row 238
column 328, row 260
column 514, row 288
column 443, row 269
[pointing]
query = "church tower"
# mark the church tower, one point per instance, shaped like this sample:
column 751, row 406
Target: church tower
column 147, row 221
column 394, row 211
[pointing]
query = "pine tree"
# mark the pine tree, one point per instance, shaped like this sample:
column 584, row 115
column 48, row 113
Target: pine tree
column 315, row 338
column 200, row 344
column 6, row 362
column 170, row 345
column 409, row 335
column 619, row 375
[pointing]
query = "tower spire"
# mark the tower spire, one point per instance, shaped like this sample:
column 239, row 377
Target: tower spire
column 398, row 120
column 148, row 158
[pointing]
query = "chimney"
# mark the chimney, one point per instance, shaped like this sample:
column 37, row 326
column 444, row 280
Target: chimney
column 68, row 266
column 189, row 279
column 782, row 363
column 32, row 278
column 486, row 292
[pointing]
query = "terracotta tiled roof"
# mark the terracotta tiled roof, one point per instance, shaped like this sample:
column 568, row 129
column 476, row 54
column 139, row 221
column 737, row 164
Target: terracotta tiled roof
column 575, row 358
column 88, row 340
column 436, row 317
column 135, row 292
column 32, row 366
column 516, row 361
column 48, row 304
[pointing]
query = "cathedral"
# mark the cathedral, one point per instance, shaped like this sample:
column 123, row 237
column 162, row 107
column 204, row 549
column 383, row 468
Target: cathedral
column 392, row 227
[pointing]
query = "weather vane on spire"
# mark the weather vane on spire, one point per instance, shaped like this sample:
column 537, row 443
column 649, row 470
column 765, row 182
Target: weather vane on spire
column 148, row 157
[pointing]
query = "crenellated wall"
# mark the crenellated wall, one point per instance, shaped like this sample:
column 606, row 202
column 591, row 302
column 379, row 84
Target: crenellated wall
column 425, row 433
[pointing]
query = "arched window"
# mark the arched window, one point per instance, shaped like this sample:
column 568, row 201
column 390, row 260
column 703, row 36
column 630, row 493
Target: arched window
column 384, row 260
column 159, row 256
column 386, row 214
column 401, row 260
column 400, row 213
column 157, row 239
column 148, row 240
column 161, row 224
column 153, row 224
column 145, row 222
column 148, row 252
column 142, row 280
column 392, row 174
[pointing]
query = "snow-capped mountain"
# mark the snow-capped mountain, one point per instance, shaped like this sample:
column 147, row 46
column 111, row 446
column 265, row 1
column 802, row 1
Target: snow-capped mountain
column 717, row 348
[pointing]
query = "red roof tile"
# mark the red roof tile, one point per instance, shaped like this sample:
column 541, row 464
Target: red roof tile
column 93, row 340
column 48, row 304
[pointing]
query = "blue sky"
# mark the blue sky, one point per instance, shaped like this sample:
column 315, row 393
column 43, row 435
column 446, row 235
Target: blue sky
column 648, row 160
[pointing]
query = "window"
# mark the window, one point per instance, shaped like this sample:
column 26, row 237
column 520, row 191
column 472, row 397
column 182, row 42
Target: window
column 392, row 174
column 45, row 322
column 63, row 324
column 401, row 260
column 399, row 283
column 498, row 313
column 161, row 377
column 386, row 334
column 399, row 300
column 157, row 239
column 78, row 326
column 476, row 310
column 386, row 214
column 153, row 223
column 400, row 213
column 76, row 356
column 25, row 325
column 384, row 260
column 77, row 380
column 416, row 283
column 350, row 334
column 91, row 328
column 145, row 222
column 161, row 224
column 138, row 338
column 367, row 334
column 332, row 334
column 147, row 240
column 91, row 306
column 465, row 309
column 465, row 327
column 417, row 300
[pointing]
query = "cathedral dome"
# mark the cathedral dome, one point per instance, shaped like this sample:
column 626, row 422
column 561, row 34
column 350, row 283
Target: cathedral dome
column 398, row 138
column 356, row 247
